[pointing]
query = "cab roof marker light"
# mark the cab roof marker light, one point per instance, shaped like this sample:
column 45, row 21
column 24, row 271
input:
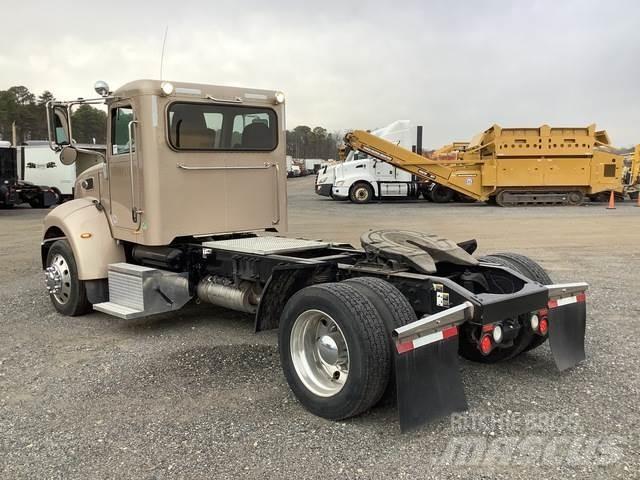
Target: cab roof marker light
column 279, row 98
column 166, row 88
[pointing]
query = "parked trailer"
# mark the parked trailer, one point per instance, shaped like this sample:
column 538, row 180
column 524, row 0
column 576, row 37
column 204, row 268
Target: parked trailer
column 40, row 165
column 14, row 190
column 354, row 323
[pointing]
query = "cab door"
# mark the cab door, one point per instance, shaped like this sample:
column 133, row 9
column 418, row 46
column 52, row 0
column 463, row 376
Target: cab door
column 123, row 168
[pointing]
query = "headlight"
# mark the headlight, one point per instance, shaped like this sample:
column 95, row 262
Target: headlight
column 279, row 98
column 167, row 88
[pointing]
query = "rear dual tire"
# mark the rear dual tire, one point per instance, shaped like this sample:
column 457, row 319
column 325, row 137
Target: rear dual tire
column 526, row 339
column 335, row 345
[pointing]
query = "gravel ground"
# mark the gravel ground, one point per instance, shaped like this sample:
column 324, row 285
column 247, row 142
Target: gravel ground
column 198, row 395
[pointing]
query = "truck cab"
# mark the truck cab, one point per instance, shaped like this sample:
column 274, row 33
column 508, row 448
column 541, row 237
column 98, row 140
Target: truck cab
column 361, row 178
column 167, row 148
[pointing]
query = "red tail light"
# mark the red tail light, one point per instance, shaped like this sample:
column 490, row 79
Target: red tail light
column 486, row 345
column 543, row 328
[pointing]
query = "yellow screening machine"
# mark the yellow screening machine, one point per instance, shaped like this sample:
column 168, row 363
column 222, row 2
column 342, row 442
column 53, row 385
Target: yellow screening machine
column 513, row 166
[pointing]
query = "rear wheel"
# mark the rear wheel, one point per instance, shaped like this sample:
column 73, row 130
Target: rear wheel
column 395, row 310
column 334, row 350
column 361, row 193
column 534, row 271
column 67, row 292
column 525, row 339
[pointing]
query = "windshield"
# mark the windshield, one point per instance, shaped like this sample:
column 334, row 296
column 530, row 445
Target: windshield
column 200, row 126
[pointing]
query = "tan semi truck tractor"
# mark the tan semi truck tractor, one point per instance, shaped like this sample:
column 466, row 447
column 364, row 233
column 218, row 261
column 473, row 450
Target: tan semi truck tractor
column 513, row 166
column 188, row 201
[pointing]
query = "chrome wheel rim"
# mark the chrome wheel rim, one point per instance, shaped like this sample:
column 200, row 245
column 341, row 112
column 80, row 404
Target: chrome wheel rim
column 319, row 353
column 58, row 279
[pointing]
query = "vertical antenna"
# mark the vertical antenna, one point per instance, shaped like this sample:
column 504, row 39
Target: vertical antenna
column 164, row 41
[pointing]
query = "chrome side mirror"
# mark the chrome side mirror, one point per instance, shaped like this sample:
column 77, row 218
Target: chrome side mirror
column 101, row 88
column 68, row 155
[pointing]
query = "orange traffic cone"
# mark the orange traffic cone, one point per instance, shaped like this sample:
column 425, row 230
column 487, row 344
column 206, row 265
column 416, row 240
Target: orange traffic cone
column 612, row 201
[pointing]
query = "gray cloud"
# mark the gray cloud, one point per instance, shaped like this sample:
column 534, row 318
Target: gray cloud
column 455, row 67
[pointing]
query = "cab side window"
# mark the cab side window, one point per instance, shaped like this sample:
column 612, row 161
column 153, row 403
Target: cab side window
column 120, row 118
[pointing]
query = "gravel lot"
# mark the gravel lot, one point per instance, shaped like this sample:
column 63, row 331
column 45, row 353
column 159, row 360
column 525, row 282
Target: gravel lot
column 198, row 395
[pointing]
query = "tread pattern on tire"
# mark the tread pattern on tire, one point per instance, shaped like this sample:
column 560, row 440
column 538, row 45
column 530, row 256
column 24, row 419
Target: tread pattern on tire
column 398, row 303
column 400, row 313
column 368, row 328
column 375, row 337
column 526, row 266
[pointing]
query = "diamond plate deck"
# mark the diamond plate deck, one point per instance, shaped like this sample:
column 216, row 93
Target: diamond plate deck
column 265, row 245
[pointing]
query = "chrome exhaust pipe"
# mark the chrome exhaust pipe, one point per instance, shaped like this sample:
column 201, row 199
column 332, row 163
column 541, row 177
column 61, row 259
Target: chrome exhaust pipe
column 222, row 292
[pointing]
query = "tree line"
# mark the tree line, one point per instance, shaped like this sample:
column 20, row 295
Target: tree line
column 23, row 108
column 317, row 142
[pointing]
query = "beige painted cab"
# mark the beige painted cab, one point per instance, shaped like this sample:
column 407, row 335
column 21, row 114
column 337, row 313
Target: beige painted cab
column 181, row 160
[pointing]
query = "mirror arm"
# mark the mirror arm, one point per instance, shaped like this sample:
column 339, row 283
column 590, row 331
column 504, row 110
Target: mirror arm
column 69, row 123
column 52, row 145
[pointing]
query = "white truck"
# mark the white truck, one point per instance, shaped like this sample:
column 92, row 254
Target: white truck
column 361, row 179
column 40, row 165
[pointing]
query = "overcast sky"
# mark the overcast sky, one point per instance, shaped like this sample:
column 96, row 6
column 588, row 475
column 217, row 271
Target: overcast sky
column 454, row 67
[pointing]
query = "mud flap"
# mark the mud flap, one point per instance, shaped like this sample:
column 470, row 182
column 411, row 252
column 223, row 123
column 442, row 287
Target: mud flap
column 428, row 379
column 567, row 325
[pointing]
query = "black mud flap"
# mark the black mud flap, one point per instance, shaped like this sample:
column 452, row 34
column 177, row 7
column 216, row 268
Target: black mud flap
column 567, row 324
column 428, row 380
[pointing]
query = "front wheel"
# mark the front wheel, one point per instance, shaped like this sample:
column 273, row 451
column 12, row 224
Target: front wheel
column 334, row 350
column 66, row 290
column 361, row 193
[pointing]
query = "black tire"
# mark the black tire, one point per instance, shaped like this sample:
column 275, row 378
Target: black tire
column 534, row 271
column 57, row 191
column 468, row 345
column 525, row 266
column 575, row 198
column 76, row 302
column 395, row 310
column 361, row 193
column 440, row 194
column 365, row 335
column 36, row 202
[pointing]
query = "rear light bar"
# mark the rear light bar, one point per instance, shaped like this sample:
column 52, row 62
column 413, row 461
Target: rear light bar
column 432, row 328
